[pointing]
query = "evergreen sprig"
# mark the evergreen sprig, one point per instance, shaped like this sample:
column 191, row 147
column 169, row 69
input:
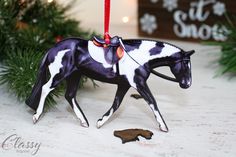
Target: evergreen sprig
column 26, row 33
column 228, row 50
column 227, row 58
column 23, row 64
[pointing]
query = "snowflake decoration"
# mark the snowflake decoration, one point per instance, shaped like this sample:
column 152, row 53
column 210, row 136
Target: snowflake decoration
column 154, row 1
column 219, row 8
column 170, row 5
column 148, row 23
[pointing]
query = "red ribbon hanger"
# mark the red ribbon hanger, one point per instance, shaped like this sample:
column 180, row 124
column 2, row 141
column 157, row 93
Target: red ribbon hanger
column 106, row 21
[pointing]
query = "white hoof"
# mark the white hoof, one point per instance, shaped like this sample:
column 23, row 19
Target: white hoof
column 84, row 124
column 163, row 128
column 99, row 124
column 35, row 118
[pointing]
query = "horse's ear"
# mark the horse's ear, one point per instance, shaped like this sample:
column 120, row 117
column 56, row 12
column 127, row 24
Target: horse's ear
column 189, row 53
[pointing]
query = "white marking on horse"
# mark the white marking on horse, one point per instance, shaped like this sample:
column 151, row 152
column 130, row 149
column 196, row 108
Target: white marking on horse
column 158, row 118
column 97, row 53
column 54, row 68
column 127, row 67
column 142, row 55
column 104, row 119
column 189, row 65
column 79, row 114
column 189, row 80
column 168, row 50
column 114, row 68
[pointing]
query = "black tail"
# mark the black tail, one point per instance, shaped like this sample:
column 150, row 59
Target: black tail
column 33, row 100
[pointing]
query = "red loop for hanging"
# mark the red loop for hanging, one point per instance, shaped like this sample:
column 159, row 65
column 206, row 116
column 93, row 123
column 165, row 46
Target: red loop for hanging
column 107, row 21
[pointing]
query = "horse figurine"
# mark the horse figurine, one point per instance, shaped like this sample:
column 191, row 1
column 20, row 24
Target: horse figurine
column 73, row 57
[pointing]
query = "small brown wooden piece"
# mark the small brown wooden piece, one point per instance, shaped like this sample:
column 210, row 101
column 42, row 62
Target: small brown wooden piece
column 136, row 96
column 129, row 135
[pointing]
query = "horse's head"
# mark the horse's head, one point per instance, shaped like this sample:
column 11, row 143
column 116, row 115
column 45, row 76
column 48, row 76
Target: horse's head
column 181, row 68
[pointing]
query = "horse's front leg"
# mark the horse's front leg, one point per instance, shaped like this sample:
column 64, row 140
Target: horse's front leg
column 120, row 93
column 145, row 92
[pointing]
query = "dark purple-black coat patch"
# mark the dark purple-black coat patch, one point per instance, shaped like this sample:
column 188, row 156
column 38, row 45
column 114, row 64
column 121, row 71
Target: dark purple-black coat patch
column 131, row 45
column 157, row 49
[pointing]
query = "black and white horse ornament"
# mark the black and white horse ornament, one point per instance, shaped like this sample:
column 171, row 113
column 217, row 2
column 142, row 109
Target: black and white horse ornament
column 127, row 63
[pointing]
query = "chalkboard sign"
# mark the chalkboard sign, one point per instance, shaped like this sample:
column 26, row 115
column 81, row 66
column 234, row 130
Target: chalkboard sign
column 194, row 20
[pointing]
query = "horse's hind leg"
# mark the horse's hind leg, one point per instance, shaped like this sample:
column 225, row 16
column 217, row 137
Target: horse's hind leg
column 72, row 86
column 56, row 77
column 120, row 93
column 46, row 89
column 147, row 95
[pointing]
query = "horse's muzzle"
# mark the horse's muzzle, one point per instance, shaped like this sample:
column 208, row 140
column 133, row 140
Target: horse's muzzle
column 185, row 84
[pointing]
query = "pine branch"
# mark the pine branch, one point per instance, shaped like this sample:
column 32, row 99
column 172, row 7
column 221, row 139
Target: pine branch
column 227, row 59
column 24, row 65
column 26, row 32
